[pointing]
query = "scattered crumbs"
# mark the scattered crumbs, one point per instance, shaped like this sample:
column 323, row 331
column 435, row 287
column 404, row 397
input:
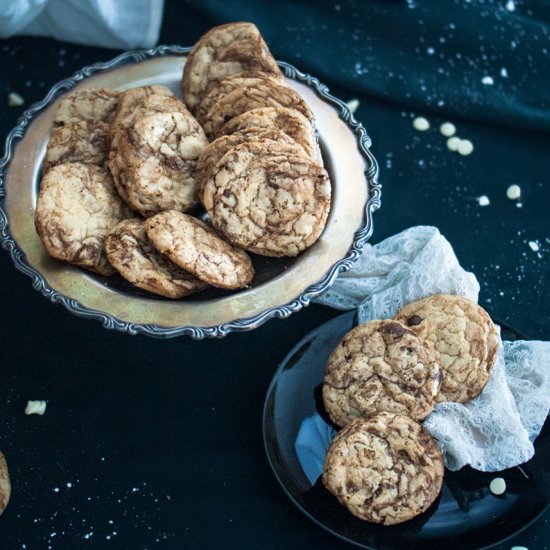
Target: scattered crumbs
column 465, row 147
column 504, row 72
column 353, row 105
column 483, row 200
column 487, row 80
column 168, row 498
column 447, row 129
column 513, row 192
column 35, row 407
column 15, row 100
column 510, row 5
column 497, row 486
column 534, row 246
column 421, row 124
column 452, row 143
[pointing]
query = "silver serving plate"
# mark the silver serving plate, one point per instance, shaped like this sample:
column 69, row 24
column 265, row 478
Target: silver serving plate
column 281, row 286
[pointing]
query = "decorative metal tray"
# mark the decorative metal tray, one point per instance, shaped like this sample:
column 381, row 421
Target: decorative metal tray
column 281, row 286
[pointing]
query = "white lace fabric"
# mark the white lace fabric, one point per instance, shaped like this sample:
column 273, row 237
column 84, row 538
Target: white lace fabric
column 496, row 429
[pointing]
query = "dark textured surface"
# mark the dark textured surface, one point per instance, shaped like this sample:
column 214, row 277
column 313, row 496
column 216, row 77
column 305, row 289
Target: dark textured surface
column 163, row 438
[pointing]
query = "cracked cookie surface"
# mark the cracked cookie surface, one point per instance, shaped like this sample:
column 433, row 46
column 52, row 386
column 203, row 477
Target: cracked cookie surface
column 133, row 255
column 160, row 153
column 380, row 366
column 384, row 469
column 464, row 338
column 214, row 151
column 5, row 484
column 244, row 98
column 76, row 209
column 195, row 247
column 232, row 82
column 289, row 121
column 139, row 101
column 84, row 141
column 221, row 52
column 135, row 104
column 266, row 200
column 97, row 105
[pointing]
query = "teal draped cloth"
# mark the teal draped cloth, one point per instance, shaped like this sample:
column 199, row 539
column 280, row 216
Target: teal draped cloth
column 481, row 60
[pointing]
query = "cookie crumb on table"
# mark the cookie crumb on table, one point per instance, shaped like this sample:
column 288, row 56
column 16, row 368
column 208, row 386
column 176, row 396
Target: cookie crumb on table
column 497, row 486
column 15, row 100
column 35, row 407
column 353, row 105
column 465, row 147
column 421, row 124
column 447, row 129
column 452, row 143
column 483, row 200
column 513, row 192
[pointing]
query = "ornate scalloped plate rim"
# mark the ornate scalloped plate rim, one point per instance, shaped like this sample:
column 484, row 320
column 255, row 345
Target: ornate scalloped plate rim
column 240, row 325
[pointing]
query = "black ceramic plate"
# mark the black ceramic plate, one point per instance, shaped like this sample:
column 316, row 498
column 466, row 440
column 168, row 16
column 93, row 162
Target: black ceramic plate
column 466, row 515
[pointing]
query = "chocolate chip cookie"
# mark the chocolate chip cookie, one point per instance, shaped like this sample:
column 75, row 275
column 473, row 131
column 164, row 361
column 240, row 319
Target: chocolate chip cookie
column 195, row 247
column 268, row 201
column 76, row 209
column 84, row 141
column 139, row 101
column 213, row 152
column 135, row 104
column 96, row 105
column 244, row 98
column 160, row 153
column 138, row 261
column 289, row 121
column 380, row 366
column 384, row 469
column 232, row 82
column 463, row 337
column 221, row 52
column 5, row 485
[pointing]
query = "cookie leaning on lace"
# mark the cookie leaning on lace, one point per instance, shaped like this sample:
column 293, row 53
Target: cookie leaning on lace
column 417, row 263
column 393, row 366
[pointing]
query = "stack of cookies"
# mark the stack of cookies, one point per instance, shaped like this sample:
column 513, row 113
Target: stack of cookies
column 382, row 379
column 123, row 169
column 261, row 179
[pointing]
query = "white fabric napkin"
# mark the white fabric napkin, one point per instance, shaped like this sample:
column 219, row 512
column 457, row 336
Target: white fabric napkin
column 123, row 24
column 496, row 429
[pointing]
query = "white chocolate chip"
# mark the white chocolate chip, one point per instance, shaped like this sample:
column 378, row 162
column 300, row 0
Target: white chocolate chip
column 487, row 80
column 519, row 548
column 452, row 143
column 421, row 124
column 483, row 200
column 447, row 129
column 35, row 407
column 534, row 246
column 510, row 6
column 497, row 486
column 15, row 100
column 465, row 147
column 513, row 192
column 353, row 105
